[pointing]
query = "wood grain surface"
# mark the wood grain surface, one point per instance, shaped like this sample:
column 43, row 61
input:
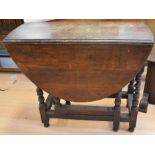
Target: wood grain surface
column 81, row 31
column 80, row 61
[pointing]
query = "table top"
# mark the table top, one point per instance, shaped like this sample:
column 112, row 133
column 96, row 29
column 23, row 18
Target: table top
column 82, row 60
column 82, row 31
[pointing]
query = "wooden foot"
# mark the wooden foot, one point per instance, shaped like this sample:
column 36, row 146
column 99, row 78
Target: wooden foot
column 117, row 108
column 133, row 119
column 42, row 107
column 131, row 129
column 46, row 122
column 42, row 110
column 115, row 129
column 46, row 125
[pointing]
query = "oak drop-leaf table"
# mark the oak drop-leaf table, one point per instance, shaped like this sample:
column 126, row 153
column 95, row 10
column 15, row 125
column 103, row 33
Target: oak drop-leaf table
column 82, row 61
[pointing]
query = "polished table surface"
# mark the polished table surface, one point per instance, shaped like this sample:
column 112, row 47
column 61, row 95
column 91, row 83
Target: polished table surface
column 80, row 60
column 82, row 31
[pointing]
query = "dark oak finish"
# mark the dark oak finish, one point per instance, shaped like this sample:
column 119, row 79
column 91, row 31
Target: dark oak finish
column 79, row 60
column 117, row 112
column 135, row 101
column 81, row 31
column 94, row 112
column 150, row 78
column 42, row 107
column 84, row 110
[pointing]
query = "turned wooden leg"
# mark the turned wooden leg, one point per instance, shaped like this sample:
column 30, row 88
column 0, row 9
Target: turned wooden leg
column 42, row 107
column 134, row 108
column 150, row 81
column 117, row 108
column 131, row 88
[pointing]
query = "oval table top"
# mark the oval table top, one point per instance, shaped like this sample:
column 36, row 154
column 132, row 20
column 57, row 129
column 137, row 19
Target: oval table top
column 80, row 60
column 81, row 31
